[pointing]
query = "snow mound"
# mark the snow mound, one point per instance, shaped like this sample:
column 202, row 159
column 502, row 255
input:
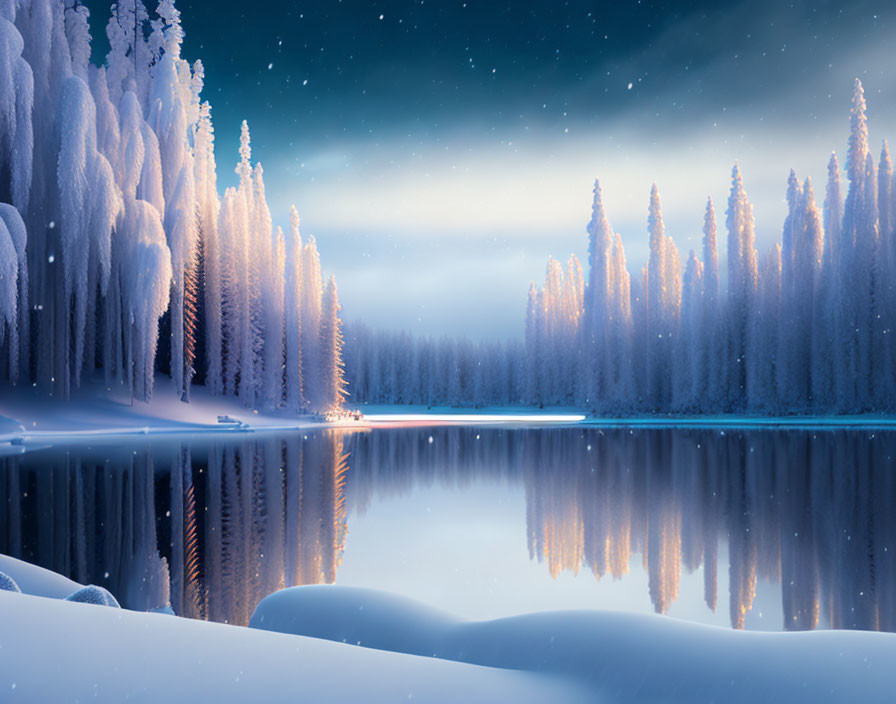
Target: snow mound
column 621, row 657
column 8, row 584
column 367, row 617
column 92, row 594
column 139, row 657
column 37, row 581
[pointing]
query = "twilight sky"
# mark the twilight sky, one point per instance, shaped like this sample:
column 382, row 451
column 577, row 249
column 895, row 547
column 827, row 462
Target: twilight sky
column 440, row 150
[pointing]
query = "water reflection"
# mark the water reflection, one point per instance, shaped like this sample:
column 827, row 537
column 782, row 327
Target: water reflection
column 810, row 511
column 210, row 528
column 213, row 527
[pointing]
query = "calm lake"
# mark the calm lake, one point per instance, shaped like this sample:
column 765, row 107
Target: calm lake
column 763, row 529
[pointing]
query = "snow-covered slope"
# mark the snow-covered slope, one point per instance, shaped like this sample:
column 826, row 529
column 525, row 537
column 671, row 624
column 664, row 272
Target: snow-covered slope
column 621, row 657
column 38, row 581
column 112, row 655
column 94, row 410
column 304, row 641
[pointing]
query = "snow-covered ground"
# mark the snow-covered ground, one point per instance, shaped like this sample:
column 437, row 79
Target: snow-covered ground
column 94, row 410
column 28, row 418
column 621, row 657
column 108, row 654
column 59, row 651
column 338, row 644
column 37, row 581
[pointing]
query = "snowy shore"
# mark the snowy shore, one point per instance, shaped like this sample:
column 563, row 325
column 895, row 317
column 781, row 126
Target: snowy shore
column 336, row 644
column 95, row 413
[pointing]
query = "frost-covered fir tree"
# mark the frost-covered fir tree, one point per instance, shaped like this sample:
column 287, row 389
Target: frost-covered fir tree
column 808, row 252
column 663, row 301
column 761, row 357
column 332, row 377
column 825, row 316
column 598, row 315
column 688, row 350
column 293, row 314
column 742, row 280
column 10, row 265
column 712, row 383
column 312, row 291
column 884, row 317
column 112, row 219
column 532, row 390
column 208, row 209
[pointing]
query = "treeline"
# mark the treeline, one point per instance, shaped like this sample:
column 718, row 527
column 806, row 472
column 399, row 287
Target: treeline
column 400, row 368
column 112, row 228
column 807, row 326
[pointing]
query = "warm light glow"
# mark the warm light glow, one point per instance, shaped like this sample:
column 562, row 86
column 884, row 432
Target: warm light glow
column 470, row 418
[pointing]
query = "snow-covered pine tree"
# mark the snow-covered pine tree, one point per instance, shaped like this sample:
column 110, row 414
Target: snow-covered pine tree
column 786, row 354
column 532, row 388
column 826, row 320
column 657, row 332
column 270, row 276
column 846, row 344
column 712, row 385
column 16, row 102
column 173, row 119
column 687, row 343
column 13, row 291
column 742, row 280
column 762, row 336
column 246, row 282
column 597, row 310
column 621, row 368
column 884, row 388
column 808, row 251
column 9, row 308
column 208, row 208
column 130, row 57
column 311, row 317
column 293, row 314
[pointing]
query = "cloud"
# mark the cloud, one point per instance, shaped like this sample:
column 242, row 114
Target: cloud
column 445, row 225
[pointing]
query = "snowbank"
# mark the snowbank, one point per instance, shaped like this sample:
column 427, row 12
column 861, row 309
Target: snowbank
column 29, row 420
column 93, row 411
column 38, row 581
column 140, row 657
column 621, row 657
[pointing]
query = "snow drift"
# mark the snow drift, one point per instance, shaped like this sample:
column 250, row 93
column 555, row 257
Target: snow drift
column 140, row 657
column 620, row 657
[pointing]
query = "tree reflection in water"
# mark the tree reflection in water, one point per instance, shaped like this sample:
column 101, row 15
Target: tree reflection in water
column 214, row 526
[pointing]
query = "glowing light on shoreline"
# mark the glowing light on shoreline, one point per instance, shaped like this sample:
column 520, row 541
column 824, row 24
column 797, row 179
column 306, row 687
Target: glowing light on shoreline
column 471, row 418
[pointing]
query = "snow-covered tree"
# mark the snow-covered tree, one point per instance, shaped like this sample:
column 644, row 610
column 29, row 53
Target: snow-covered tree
column 884, row 314
column 111, row 172
column 9, row 303
column 311, row 317
column 742, row 280
column 762, row 352
column 687, row 363
column 16, row 102
column 532, row 391
column 712, row 385
column 597, row 311
column 209, row 254
column 663, row 301
column 293, row 314
column 332, row 377
column 18, row 338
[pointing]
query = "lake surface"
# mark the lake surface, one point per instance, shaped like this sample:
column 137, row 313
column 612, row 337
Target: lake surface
column 760, row 529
